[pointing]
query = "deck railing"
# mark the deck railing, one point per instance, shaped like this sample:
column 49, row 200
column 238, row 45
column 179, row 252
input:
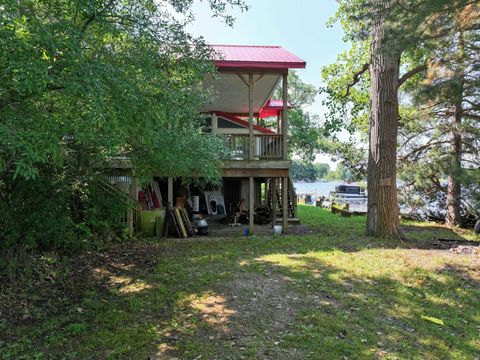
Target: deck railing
column 266, row 146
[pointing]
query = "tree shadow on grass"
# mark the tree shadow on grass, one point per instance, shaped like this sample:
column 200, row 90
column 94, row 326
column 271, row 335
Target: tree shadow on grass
column 283, row 298
column 260, row 298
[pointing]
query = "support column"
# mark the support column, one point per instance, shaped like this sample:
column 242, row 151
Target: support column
column 250, row 117
column 170, row 192
column 285, row 116
column 274, row 201
column 285, row 203
column 131, row 211
column 251, row 203
column 258, row 192
column 214, row 123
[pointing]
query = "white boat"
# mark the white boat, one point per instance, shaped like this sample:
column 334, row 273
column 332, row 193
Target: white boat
column 344, row 192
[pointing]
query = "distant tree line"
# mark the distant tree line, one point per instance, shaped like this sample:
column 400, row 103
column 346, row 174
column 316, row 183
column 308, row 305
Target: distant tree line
column 309, row 171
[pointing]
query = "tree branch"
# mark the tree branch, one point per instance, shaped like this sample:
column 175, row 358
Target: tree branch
column 356, row 78
column 411, row 73
column 415, row 152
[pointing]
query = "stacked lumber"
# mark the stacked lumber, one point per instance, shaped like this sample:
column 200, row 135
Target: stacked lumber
column 177, row 223
column 150, row 196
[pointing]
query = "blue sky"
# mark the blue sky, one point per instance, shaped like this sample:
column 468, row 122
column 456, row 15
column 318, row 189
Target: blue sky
column 300, row 26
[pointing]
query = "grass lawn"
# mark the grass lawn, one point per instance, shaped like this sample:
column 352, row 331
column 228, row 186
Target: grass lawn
column 332, row 294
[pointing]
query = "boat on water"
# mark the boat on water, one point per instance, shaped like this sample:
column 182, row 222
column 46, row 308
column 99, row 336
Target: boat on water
column 347, row 192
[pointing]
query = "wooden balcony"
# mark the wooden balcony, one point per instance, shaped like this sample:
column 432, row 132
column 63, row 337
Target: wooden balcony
column 265, row 146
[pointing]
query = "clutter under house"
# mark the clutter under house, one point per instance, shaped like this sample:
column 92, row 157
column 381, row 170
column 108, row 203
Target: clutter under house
column 256, row 190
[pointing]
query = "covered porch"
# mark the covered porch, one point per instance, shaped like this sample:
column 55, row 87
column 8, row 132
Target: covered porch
column 253, row 124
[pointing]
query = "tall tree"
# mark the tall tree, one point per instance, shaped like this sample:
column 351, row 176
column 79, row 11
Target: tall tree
column 445, row 115
column 393, row 29
column 84, row 83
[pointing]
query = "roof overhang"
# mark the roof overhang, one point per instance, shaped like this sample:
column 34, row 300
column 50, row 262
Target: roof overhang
column 255, row 57
column 234, row 64
column 231, row 93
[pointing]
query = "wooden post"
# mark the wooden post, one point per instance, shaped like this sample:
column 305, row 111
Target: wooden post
column 251, row 203
column 285, row 203
column 285, row 116
column 170, row 192
column 250, row 117
column 214, row 123
column 274, row 201
column 130, row 214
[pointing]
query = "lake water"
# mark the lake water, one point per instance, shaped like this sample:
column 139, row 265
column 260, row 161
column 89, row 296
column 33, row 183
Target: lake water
column 318, row 189
column 315, row 188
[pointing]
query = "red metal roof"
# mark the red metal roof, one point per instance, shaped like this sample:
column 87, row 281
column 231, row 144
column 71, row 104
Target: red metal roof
column 268, row 57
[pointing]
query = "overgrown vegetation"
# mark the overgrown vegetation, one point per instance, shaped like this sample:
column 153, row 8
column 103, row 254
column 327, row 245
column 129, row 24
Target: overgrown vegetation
column 333, row 292
column 104, row 80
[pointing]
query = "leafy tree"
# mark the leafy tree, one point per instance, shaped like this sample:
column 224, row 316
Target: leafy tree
column 303, row 126
column 322, row 170
column 84, row 84
column 308, row 171
column 304, row 171
column 120, row 78
column 392, row 31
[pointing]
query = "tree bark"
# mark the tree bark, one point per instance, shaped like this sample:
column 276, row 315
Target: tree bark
column 383, row 213
column 454, row 187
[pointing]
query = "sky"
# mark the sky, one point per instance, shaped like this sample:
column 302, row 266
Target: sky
column 299, row 26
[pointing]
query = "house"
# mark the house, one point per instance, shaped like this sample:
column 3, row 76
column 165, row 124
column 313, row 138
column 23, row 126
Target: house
column 258, row 169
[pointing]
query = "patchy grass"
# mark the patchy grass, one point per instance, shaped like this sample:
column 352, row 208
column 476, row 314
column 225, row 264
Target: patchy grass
column 333, row 294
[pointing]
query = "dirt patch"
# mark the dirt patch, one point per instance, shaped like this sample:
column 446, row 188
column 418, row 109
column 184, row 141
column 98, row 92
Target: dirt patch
column 252, row 313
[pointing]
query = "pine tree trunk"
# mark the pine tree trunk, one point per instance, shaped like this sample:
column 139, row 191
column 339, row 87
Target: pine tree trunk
column 454, row 188
column 383, row 210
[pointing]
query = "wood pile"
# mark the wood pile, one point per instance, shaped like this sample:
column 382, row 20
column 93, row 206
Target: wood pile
column 263, row 215
column 177, row 223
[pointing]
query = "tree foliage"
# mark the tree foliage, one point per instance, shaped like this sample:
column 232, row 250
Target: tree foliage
column 120, row 78
column 416, row 34
column 308, row 171
column 303, row 126
column 84, row 83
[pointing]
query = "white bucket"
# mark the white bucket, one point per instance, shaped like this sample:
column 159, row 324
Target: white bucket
column 277, row 229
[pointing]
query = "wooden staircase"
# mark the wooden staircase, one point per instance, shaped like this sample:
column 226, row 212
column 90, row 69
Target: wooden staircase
column 292, row 201
column 132, row 216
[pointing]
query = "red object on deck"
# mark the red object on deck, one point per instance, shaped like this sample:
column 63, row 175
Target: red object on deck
column 244, row 123
column 256, row 57
column 272, row 108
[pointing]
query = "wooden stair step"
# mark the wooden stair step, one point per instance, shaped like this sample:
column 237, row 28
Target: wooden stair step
column 291, row 221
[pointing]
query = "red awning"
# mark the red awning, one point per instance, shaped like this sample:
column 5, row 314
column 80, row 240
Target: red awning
column 272, row 108
column 244, row 123
column 256, row 57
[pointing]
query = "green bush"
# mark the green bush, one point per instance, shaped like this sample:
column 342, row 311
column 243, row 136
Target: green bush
column 61, row 209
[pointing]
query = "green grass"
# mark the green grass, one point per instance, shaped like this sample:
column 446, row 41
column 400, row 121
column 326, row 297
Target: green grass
column 332, row 294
